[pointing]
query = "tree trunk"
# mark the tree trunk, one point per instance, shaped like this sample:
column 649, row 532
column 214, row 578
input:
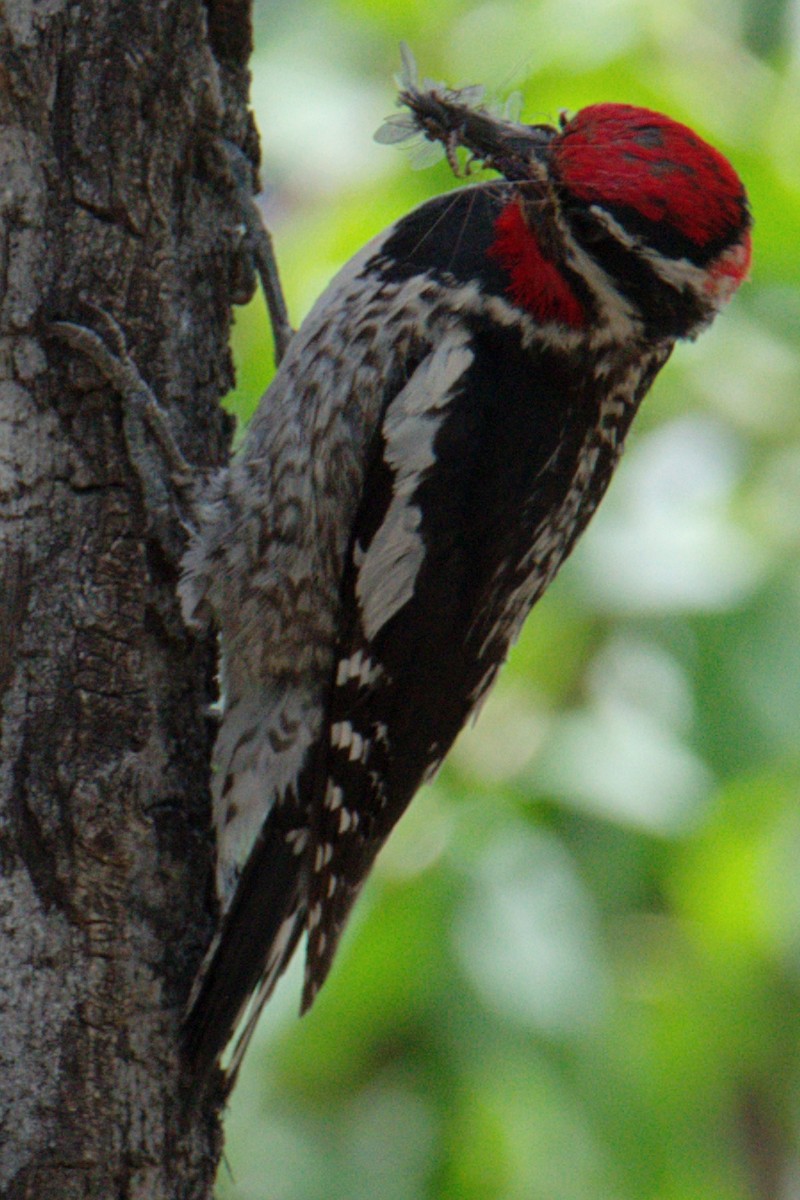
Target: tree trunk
column 111, row 192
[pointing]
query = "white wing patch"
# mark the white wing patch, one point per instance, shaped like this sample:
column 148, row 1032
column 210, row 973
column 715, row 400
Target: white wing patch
column 390, row 566
column 359, row 667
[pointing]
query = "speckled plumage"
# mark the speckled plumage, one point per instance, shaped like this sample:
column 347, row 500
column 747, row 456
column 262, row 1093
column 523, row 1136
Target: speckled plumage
column 275, row 530
column 440, row 432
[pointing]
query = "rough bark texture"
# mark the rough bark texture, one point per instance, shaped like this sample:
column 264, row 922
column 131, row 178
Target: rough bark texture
column 111, row 191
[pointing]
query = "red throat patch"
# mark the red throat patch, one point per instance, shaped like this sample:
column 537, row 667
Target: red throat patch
column 536, row 283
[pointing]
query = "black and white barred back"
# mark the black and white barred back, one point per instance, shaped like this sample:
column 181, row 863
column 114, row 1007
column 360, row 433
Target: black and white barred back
column 440, row 432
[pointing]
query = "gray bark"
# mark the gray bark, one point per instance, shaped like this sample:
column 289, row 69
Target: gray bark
column 111, row 191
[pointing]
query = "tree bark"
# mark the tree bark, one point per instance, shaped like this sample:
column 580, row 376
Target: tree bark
column 111, row 192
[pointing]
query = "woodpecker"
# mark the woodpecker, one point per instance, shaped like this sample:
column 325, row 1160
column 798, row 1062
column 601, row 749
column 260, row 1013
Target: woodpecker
column 439, row 433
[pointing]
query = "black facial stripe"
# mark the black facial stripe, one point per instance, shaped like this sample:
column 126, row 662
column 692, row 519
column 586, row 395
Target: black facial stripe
column 664, row 309
column 661, row 236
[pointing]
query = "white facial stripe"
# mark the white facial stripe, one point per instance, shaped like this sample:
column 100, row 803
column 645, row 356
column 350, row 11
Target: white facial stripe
column 679, row 273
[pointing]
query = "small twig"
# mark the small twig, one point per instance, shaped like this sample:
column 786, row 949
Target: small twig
column 259, row 243
column 264, row 259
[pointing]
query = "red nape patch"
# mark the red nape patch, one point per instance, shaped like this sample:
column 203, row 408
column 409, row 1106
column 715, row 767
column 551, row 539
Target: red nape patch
column 617, row 154
column 536, row 284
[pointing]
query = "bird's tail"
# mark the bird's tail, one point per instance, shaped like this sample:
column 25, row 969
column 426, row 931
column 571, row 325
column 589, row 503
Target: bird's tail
column 253, row 946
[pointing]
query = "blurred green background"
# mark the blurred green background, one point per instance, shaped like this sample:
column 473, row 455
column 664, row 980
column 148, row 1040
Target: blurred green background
column 575, row 973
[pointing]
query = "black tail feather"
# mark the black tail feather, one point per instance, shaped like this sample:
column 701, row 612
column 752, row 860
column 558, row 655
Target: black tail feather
column 246, row 955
